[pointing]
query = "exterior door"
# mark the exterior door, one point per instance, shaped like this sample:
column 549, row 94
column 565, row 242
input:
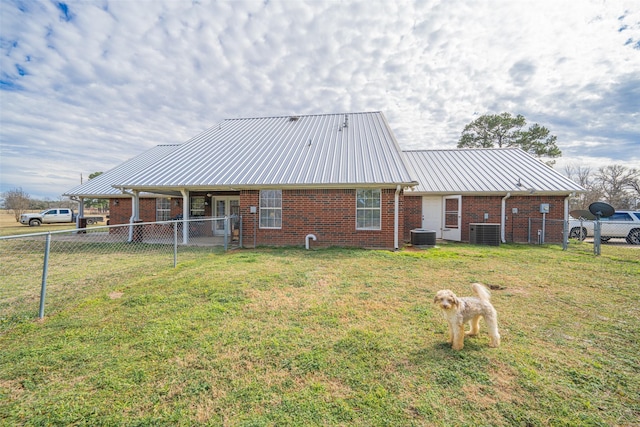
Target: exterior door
column 432, row 214
column 452, row 218
column 225, row 206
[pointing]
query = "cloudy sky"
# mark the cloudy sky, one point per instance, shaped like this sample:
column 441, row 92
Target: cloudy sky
column 85, row 85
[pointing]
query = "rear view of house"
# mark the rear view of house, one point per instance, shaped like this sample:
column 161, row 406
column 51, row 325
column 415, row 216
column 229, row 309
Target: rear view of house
column 339, row 177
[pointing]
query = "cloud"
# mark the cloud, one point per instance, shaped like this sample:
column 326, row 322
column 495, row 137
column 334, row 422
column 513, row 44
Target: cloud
column 87, row 85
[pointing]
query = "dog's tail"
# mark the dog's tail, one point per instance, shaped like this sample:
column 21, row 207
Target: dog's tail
column 481, row 291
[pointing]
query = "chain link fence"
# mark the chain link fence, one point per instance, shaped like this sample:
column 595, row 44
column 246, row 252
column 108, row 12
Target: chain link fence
column 547, row 231
column 551, row 231
column 48, row 269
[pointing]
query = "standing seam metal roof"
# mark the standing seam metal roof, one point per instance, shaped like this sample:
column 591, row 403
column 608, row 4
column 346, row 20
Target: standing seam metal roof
column 497, row 170
column 285, row 150
column 102, row 185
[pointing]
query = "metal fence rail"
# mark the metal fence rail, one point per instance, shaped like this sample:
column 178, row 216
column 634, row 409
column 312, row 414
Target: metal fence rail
column 46, row 269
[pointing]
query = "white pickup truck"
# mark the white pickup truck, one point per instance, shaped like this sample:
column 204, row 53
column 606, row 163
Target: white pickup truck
column 55, row 216
column 622, row 224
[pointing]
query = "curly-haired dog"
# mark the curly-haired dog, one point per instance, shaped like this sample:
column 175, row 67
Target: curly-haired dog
column 459, row 311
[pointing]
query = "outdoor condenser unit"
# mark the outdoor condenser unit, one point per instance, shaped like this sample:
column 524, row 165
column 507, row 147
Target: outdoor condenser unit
column 482, row 233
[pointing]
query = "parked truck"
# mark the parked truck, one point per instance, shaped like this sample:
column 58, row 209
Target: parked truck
column 55, row 216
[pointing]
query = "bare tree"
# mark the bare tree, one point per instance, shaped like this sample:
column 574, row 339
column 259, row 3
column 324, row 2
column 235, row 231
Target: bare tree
column 17, row 201
column 616, row 183
column 583, row 176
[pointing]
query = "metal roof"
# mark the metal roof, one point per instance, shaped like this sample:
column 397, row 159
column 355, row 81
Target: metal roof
column 484, row 171
column 354, row 149
column 102, row 185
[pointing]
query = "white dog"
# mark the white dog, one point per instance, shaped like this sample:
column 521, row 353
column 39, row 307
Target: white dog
column 459, row 311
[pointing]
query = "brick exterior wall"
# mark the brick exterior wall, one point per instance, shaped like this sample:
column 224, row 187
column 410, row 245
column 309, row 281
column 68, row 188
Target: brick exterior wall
column 330, row 215
column 121, row 213
column 412, row 215
column 516, row 225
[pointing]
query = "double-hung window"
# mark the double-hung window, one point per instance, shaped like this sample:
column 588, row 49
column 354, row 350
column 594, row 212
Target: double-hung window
column 197, row 206
column 270, row 208
column 368, row 209
column 163, row 209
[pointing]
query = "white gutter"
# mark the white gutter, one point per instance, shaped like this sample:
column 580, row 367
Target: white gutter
column 503, row 219
column 396, row 210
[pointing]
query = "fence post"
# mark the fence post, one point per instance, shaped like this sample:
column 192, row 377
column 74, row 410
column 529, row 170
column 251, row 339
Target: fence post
column 240, row 230
column 45, row 269
column 565, row 235
column 175, row 244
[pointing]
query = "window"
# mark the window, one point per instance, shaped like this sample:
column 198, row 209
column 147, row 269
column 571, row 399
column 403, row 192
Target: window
column 163, row 209
column 368, row 210
column 618, row 216
column 270, row 208
column 197, row 206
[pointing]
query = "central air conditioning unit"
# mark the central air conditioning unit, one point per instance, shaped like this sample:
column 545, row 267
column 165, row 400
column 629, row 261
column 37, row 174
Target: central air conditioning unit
column 482, row 233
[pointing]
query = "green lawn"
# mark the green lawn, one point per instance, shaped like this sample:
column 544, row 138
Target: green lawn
column 335, row 337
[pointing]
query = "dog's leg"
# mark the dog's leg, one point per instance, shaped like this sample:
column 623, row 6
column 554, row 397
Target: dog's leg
column 450, row 332
column 475, row 326
column 492, row 326
column 458, row 337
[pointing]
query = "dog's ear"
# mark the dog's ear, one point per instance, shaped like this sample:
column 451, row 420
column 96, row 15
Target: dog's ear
column 435, row 299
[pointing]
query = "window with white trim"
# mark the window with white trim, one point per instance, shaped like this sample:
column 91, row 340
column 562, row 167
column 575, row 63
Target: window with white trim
column 368, row 212
column 163, row 209
column 270, row 208
column 197, row 206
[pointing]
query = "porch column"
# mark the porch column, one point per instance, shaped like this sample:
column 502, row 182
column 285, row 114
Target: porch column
column 80, row 211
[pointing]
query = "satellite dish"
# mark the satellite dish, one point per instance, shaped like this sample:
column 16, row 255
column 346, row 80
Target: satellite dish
column 601, row 209
column 579, row 213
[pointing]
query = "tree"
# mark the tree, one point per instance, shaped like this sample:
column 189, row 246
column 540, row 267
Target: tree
column 504, row 130
column 583, row 176
column 17, row 201
column 617, row 183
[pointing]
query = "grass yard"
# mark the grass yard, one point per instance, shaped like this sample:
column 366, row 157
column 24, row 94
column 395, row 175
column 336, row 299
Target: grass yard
column 336, row 337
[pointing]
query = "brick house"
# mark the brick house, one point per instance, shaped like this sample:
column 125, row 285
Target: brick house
column 340, row 177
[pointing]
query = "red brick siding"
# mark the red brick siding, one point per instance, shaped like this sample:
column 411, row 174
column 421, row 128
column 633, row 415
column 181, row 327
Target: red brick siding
column 330, row 215
column 516, row 226
column 121, row 213
column 412, row 215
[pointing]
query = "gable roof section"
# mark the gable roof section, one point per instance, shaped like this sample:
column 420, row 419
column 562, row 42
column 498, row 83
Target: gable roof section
column 328, row 150
column 485, row 171
column 103, row 184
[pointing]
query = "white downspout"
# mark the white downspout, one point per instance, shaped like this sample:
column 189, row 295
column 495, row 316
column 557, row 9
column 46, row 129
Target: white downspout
column 306, row 240
column 565, row 229
column 135, row 212
column 503, row 219
column 396, row 210
column 185, row 216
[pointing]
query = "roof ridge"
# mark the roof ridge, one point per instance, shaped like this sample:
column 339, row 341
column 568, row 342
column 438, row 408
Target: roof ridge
column 286, row 116
column 464, row 149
